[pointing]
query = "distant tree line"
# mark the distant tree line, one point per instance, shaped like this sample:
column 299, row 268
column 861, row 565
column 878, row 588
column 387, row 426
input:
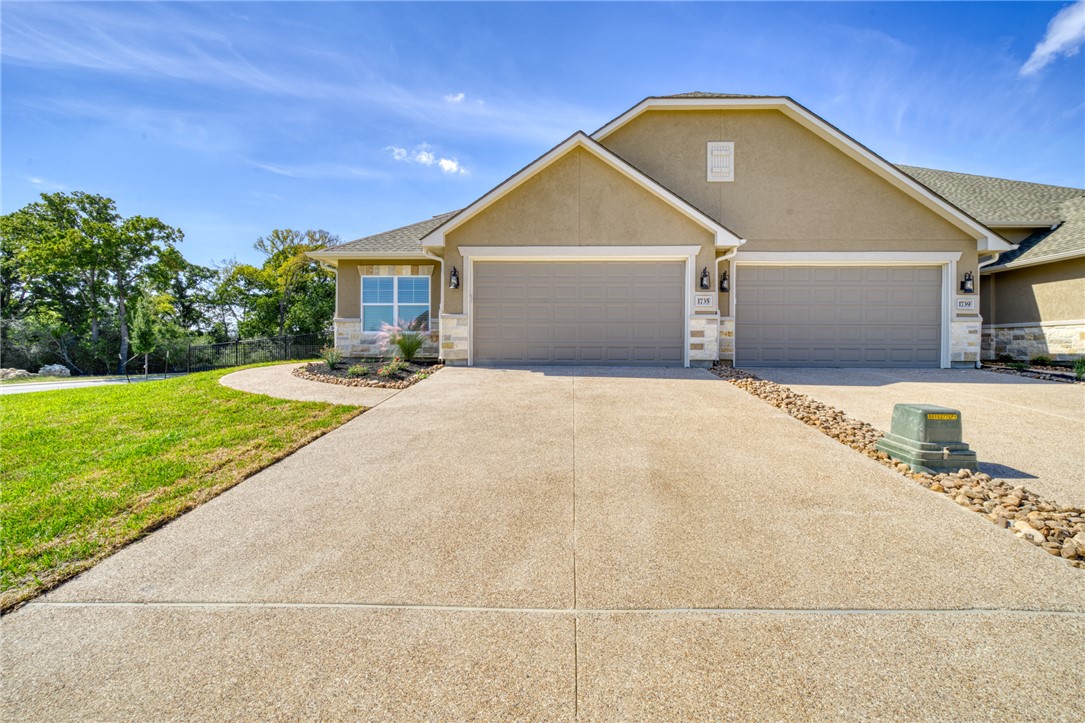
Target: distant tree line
column 83, row 286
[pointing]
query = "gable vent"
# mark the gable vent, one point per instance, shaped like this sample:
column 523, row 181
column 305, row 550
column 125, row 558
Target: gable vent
column 721, row 161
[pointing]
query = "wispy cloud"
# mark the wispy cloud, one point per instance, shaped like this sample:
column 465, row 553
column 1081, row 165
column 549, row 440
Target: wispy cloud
column 423, row 154
column 156, row 42
column 318, row 170
column 1065, row 34
column 45, row 185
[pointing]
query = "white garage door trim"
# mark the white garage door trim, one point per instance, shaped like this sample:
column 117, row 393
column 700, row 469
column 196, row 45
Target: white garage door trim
column 946, row 260
column 471, row 254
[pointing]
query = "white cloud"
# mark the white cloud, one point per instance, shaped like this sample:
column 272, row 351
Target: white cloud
column 424, row 155
column 318, row 170
column 456, row 98
column 1065, row 34
column 451, row 165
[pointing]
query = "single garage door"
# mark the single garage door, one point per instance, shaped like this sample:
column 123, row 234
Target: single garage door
column 876, row 316
column 579, row 313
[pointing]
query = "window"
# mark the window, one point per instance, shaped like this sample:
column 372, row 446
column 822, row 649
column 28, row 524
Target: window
column 389, row 299
column 721, row 161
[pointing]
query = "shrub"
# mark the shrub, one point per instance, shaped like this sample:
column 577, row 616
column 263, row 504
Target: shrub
column 331, row 356
column 403, row 336
column 1019, row 366
column 392, row 367
column 358, row 370
column 1079, row 368
column 1041, row 361
column 1004, row 358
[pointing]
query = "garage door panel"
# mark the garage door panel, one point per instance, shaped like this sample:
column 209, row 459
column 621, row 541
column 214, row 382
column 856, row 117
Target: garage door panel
column 838, row 316
column 579, row 313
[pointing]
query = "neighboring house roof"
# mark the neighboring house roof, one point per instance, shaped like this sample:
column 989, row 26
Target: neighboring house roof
column 723, row 235
column 987, row 240
column 402, row 241
column 1002, row 202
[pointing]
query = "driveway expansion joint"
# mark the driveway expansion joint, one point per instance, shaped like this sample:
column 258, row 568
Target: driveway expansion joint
column 554, row 611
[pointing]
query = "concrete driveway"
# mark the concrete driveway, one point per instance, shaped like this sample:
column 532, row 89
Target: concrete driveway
column 1027, row 431
column 558, row 544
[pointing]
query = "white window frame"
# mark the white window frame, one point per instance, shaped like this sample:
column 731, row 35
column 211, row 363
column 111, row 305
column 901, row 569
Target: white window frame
column 395, row 298
column 727, row 149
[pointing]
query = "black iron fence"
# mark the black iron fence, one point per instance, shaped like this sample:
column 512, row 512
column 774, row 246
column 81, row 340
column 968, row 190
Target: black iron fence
column 205, row 357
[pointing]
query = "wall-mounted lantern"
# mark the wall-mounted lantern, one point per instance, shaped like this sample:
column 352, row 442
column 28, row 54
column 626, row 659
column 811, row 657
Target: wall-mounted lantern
column 454, row 279
column 705, row 282
column 725, row 283
column 968, row 286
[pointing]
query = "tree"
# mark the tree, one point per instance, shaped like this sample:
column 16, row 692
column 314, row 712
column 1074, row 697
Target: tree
column 139, row 245
column 287, row 270
column 144, row 332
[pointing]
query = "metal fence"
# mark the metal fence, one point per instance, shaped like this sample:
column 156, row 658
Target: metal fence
column 252, row 351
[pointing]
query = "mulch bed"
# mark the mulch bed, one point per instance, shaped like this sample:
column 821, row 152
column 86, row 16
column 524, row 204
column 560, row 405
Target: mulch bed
column 1049, row 374
column 1058, row 529
column 412, row 373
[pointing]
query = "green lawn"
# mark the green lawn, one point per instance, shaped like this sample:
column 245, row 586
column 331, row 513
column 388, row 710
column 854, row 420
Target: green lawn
column 85, row 471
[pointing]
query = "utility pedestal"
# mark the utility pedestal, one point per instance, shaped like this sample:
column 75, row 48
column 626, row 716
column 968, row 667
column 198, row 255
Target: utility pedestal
column 928, row 439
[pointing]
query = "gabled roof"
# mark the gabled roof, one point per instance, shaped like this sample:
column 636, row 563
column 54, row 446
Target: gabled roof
column 998, row 201
column 987, row 239
column 1057, row 212
column 404, row 241
column 723, row 235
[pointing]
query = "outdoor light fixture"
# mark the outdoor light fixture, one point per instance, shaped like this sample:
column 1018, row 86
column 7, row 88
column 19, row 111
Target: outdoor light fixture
column 454, row 279
column 968, row 286
column 725, row 283
column 705, row 284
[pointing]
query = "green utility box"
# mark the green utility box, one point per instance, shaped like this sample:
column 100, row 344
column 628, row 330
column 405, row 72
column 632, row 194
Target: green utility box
column 928, row 439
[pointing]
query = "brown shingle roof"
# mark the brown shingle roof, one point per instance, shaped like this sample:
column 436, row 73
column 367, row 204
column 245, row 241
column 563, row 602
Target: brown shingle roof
column 1001, row 200
column 405, row 239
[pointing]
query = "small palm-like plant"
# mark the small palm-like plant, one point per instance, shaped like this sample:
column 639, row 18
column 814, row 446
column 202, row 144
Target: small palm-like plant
column 1079, row 368
column 407, row 338
column 331, row 356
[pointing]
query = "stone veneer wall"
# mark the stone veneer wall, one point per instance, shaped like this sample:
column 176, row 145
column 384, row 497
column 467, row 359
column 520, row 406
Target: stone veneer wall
column 1061, row 341
column 727, row 339
column 353, row 342
column 703, row 339
column 455, row 338
column 964, row 344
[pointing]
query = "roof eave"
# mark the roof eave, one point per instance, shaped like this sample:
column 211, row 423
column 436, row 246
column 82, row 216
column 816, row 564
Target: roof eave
column 1018, row 264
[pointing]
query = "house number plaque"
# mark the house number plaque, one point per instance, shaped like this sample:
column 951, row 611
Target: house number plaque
column 703, row 301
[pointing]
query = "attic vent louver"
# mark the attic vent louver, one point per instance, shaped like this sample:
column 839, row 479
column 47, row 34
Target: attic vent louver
column 721, row 161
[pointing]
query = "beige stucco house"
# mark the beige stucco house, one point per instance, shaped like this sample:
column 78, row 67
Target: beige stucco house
column 690, row 229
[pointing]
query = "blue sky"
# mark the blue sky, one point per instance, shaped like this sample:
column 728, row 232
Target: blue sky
column 231, row 119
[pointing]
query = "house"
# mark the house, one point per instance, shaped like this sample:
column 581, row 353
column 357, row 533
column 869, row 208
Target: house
column 1032, row 299
column 690, row 229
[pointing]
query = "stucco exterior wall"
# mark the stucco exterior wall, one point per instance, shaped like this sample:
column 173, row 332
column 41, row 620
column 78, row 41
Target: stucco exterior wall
column 1034, row 294
column 576, row 201
column 348, row 285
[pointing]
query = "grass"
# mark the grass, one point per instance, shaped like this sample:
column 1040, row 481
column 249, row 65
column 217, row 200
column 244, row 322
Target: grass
column 84, row 472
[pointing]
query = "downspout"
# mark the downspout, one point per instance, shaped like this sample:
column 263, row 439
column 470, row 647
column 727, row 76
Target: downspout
column 979, row 267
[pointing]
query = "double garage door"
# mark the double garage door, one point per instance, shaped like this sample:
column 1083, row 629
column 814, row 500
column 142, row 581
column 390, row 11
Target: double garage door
column 605, row 312
column 631, row 313
column 851, row 316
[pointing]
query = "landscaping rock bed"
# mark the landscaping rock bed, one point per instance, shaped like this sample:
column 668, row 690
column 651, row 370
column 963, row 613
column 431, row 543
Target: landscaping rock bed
column 411, row 373
column 1049, row 374
column 1058, row 529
